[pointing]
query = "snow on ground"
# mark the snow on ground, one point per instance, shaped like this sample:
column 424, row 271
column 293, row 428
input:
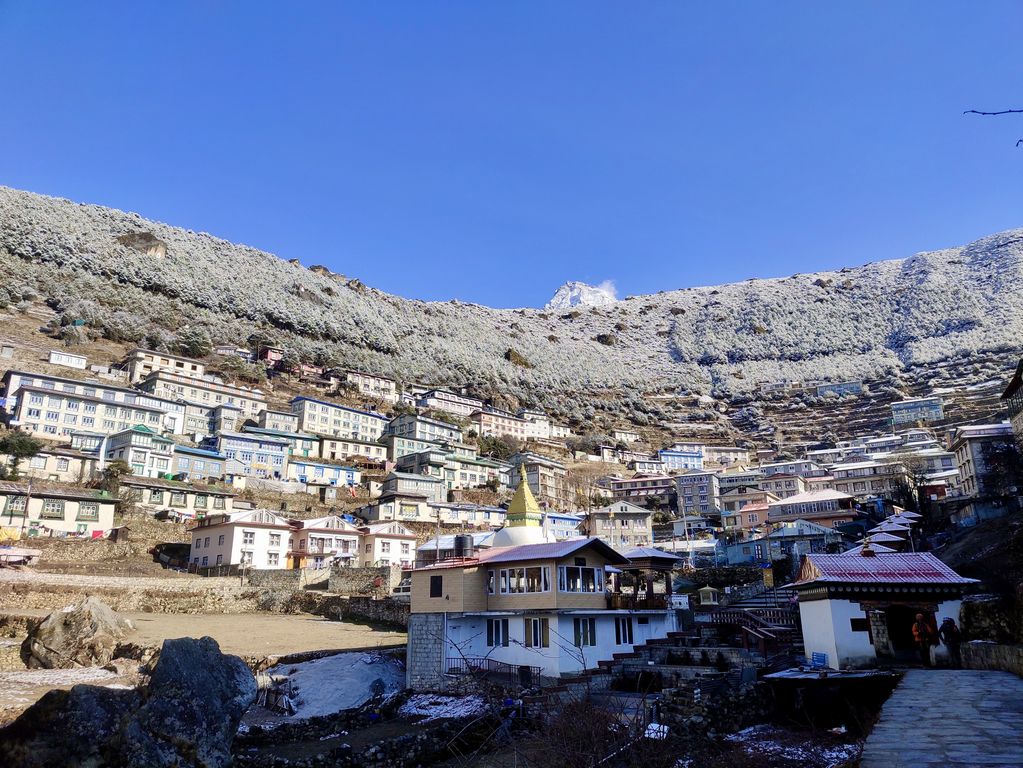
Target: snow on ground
column 21, row 689
column 332, row 683
column 770, row 745
column 431, row 707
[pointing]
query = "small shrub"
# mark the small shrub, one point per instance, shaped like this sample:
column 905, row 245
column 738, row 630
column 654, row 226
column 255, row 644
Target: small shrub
column 516, row 358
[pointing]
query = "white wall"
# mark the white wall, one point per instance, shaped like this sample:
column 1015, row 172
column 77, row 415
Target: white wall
column 231, row 549
column 854, row 648
column 467, row 636
column 818, row 630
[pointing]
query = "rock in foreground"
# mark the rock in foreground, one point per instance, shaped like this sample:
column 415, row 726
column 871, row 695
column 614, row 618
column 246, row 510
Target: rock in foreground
column 83, row 635
column 186, row 716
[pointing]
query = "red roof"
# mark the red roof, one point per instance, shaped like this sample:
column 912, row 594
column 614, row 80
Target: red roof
column 907, row 568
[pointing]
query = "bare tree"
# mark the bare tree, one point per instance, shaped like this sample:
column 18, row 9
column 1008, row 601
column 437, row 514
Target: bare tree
column 998, row 112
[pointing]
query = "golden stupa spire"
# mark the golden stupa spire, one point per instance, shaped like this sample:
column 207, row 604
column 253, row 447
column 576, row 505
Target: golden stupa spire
column 523, row 509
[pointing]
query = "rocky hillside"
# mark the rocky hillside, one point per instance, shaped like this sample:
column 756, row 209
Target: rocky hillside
column 646, row 358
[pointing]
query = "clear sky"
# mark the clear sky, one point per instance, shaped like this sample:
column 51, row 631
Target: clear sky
column 490, row 151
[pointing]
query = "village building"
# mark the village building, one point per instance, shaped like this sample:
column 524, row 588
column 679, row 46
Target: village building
column 372, row 386
column 803, row 468
column 441, row 400
column 737, row 476
column 197, row 464
column 976, row 449
column 885, row 479
column 279, row 421
column 407, row 507
column 625, row 435
column 1013, row 399
column 748, row 519
column 52, row 406
column 68, row 360
column 857, row 610
column 464, row 513
column 725, row 456
column 415, row 427
column 494, row 423
column 783, row 484
column 532, row 606
column 409, row 485
column 340, row 448
column 208, row 390
column 790, row 540
column 300, row 444
column 398, row 446
column 917, row 410
column 621, row 525
column 388, row 544
column 698, row 492
column 322, row 472
column 827, row 508
column 322, row 418
column 176, row 499
column 140, row 363
column 317, row 542
column 60, row 464
column 40, row 509
column 255, row 538
column 739, row 497
column 256, row 455
column 147, row 453
column 681, row 456
column 547, row 478
column 640, row 487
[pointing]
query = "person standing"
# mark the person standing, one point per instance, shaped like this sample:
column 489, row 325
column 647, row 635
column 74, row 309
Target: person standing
column 952, row 637
column 923, row 637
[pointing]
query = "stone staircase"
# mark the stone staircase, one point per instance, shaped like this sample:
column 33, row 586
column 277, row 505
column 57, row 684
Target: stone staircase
column 767, row 621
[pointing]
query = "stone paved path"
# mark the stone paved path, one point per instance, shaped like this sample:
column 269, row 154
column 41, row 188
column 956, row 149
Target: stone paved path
column 950, row 718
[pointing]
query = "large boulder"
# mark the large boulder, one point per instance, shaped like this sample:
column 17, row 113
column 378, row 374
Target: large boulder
column 187, row 715
column 84, row 634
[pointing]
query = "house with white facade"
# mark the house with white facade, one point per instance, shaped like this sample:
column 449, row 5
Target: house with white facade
column 279, row 421
column 146, row 452
column 621, row 525
column 388, row 544
column 259, row 455
column 682, row 456
column 68, row 360
column 197, row 464
column 324, row 418
column 442, row 400
column 207, row 390
column 176, row 499
column 415, row 427
column 856, row 609
column 140, row 363
column 322, row 472
column 494, row 423
column 316, row 542
column 373, row 386
column 59, row 464
column 917, row 409
column 256, row 538
column 43, row 509
column 347, row 448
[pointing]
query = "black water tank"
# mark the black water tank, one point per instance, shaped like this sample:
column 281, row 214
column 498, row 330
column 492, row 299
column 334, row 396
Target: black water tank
column 463, row 545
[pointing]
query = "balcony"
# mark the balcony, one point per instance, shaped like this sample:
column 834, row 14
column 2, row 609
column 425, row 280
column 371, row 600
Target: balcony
column 621, row 601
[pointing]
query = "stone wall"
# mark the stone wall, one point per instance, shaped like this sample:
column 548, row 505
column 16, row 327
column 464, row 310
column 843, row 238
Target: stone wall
column 424, row 670
column 384, row 611
column 375, row 582
column 143, row 599
column 288, row 579
column 1008, row 658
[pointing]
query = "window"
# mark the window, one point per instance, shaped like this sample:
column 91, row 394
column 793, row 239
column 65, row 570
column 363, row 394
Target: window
column 206, row 542
column 522, row 580
column 497, row 632
column 88, row 510
column 220, row 540
column 177, row 499
column 385, row 546
column 218, row 502
column 15, row 506
column 623, row 630
column 156, row 497
column 275, row 539
column 273, row 558
column 405, row 548
column 491, row 586
column 205, row 561
column 576, row 579
column 248, row 537
column 63, row 464
column 538, row 633
column 198, row 543
column 53, row 509
column 38, row 462
column 859, row 625
column 437, row 588
column 201, row 500
column 585, row 632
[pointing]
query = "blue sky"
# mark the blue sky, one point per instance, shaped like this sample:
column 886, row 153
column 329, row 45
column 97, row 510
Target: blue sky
column 490, row 151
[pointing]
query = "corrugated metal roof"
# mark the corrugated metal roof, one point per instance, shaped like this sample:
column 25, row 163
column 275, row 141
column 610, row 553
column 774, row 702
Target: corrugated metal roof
column 907, row 568
column 548, row 551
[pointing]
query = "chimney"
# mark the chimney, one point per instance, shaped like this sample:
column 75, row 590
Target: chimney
column 866, row 550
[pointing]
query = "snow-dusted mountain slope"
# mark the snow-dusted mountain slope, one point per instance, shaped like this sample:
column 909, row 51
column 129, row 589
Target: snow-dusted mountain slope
column 575, row 294
column 890, row 319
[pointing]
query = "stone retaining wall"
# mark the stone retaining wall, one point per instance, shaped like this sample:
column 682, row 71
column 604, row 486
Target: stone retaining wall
column 148, row 600
column 375, row 582
column 1008, row 658
column 288, row 579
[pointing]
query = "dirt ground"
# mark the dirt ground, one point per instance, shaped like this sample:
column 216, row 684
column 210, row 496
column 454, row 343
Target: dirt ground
column 256, row 634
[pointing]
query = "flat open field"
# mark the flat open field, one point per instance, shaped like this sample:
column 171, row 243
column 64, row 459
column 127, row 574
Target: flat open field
column 254, row 634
